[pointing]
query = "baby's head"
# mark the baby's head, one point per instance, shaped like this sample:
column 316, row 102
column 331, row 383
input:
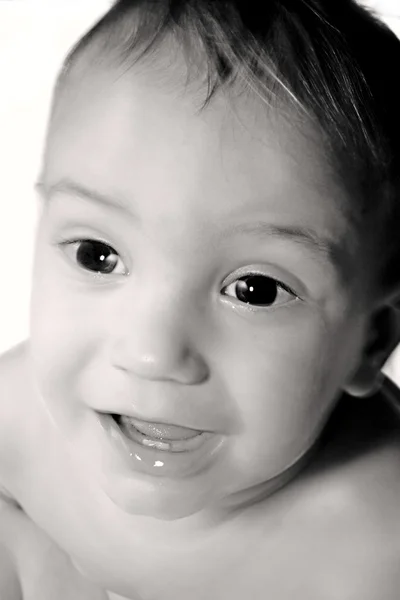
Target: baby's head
column 218, row 243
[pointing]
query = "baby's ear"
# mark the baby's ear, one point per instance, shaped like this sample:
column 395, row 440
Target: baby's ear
column 382, row 338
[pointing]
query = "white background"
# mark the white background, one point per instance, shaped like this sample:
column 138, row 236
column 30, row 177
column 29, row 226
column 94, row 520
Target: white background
column 34, row 37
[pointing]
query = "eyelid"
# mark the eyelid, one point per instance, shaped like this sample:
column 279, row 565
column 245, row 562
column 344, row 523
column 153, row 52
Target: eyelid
column 248, row 272
column 65, row 241
column 98, row 275
column 262, row 272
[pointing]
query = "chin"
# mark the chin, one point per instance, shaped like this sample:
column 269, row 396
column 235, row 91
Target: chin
column 165, row 500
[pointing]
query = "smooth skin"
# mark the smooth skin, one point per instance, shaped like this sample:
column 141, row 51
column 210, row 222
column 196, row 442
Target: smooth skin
column 190, row 202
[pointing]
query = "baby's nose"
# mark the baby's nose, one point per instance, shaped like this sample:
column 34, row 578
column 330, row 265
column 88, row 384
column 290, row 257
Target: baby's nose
column 158, row 346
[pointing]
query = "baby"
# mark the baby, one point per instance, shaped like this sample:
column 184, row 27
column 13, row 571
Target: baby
column 199, row 412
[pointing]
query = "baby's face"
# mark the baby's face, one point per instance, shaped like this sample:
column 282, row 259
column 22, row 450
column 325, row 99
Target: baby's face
column 193, row 269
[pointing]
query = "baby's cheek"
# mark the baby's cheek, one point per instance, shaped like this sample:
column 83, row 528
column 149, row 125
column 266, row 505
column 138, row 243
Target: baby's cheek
column 281, row 384
column 59, row 346
column 283, row 357
column 64, row 320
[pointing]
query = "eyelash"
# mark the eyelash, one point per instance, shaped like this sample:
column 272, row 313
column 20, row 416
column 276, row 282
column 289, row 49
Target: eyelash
column 242, row 278
column 66, row 244
column 279, row 285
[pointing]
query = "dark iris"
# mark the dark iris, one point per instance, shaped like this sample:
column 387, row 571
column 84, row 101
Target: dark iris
column 257, row 290
column 96, row 256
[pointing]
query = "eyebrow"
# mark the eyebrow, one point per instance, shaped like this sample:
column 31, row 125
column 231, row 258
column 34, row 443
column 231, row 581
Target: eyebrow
column 70, row 187
column 303, row 236
column 328, row 250
column 337, row 254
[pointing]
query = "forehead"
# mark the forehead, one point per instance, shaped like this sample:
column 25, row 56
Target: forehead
column 146, row 141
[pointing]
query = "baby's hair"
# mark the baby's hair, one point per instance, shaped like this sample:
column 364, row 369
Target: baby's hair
column 332, row 60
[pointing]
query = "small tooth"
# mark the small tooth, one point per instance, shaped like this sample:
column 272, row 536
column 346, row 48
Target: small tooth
column 156, row 444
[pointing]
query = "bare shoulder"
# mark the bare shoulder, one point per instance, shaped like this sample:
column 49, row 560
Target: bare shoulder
column 10, row 533
column 350, row 499
column 10, row 588
column 360, row 463
column 13, row 375
column 13, row 381
column 13, row 361
column 15, row 392
column 32, row 566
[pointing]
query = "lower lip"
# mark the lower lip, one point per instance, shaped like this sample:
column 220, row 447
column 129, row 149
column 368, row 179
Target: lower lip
column 167, row 463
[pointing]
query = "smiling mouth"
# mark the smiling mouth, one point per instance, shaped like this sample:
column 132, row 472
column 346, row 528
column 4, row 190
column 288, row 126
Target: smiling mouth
column 161, row 436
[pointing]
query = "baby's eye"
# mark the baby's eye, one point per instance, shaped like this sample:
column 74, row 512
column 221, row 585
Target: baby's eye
column 96, row 256
column 259, row 290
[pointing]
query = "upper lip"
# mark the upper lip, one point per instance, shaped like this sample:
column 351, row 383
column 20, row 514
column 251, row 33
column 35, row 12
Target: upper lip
column 160, row 421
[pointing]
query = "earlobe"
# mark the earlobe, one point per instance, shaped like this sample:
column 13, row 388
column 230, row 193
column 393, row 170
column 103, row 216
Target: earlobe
column 384, row 335
column 365, row 382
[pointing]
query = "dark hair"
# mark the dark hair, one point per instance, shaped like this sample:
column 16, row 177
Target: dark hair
column 332, row 58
